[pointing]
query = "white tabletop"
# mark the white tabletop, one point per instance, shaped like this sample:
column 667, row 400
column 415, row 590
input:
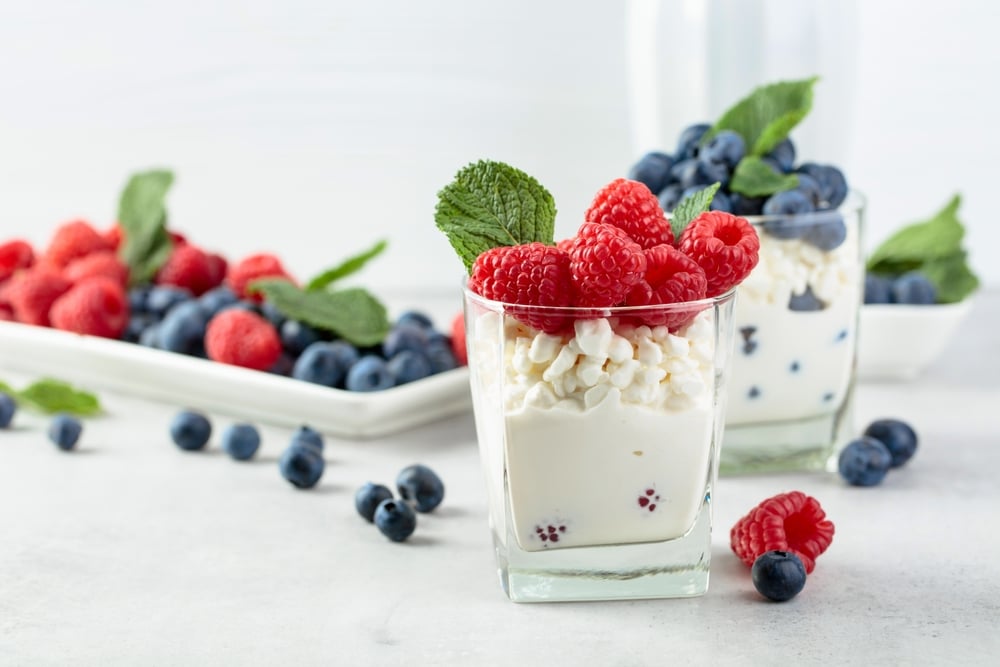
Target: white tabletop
column 130, row 552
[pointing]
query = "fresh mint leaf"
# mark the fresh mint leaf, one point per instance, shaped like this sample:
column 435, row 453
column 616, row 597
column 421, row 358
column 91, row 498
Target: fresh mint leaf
column 50, row 395
column 691, row 207
column 951, row 276
column 767, row 115
column 755, row 178
column 345, row 268
column 353, row 314
column 142, row 215
column 492, row 204
column 914, row 244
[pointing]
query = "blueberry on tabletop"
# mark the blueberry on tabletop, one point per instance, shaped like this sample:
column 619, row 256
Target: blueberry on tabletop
column 726, row 147
column 897, row 436
column 64, row 431
column 832, row 184
column 783, row 155
column 241, row 441
column 421, row 486
column 301, row 465
column 7, row 409
column 864, row 462
column 183, row 329
column 370, row 373
column 190, row 430
column 670, row 197
column 913, row 288
column 778, row 575
column 415, row 318
column 325, row 363
column 805, row 302
column 652, row 170
column 296, row 336
column 216, row 299
column 162, row 298
column 396, row 520
column 368, row 497
column 307, row 436
column 827, row 232
column 877, row 289
column 687, row 144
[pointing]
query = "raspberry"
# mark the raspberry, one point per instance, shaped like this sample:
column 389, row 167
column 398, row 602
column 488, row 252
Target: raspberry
column 102, row 263
column 789, row 521
column 242, row 338
column 97, row 306
column 530, row 274
column 15, row 255
column 671, row 277
column 113, row 236
column 217, row 267
column 251, row 268
column 191, row 268
column 725, row 247
column 606, row 264
column 458, row 339
column 32, row 292
column 73, row 240
column 631, row 206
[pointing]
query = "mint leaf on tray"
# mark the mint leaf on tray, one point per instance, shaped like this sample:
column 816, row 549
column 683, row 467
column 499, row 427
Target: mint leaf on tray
column 50, row 395
column 691, row 207
column 345, row 268
column 755, row 178
column 142, row 214
column 767, row 115
column 492, row 204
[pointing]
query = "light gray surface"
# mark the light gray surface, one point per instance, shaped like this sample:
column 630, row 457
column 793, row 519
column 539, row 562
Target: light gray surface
column 132, row 552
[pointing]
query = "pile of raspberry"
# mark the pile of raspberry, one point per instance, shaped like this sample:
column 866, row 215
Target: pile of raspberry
column 624, row 254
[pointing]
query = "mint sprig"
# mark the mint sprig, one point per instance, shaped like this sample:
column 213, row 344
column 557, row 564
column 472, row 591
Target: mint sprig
column 492, row 204
column 691, row 207
column 755, row 178
column 933, row 247
column 353, row 314
column 767, row 115
column 142, row 214
column 49, row 395
column 347, row 267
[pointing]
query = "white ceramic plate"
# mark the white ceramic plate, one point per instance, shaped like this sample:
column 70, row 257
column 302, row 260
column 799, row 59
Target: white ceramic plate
column 897, row 342
column 97, row 363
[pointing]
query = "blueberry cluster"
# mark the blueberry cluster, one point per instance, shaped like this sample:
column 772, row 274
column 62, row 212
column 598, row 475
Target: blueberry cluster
column 911, row 288
column 885, row 444
column 172, row 319
column 419, row 489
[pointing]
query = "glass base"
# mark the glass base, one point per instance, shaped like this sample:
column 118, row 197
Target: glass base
column 668, row 569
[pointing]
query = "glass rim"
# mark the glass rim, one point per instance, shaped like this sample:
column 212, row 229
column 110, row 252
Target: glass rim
column 593, row 312
column 853, row 204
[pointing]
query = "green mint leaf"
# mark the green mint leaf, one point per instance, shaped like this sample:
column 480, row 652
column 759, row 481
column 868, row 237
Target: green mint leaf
column 353, row 314
column 952, row 277
column 914, row 244
column 142, row 214
column 691, row 207
column 345, row 268
column 755, row 178
column 492, row 204
column 50, row 395
column 767, row 115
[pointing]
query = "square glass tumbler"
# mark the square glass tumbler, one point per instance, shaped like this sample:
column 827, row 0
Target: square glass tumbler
column 792, row 384
column 599, row 434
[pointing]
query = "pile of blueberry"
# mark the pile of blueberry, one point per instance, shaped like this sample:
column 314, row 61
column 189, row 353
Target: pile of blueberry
column 171, row 318
column 885, row 444
column 419, row 489
column 911, row 288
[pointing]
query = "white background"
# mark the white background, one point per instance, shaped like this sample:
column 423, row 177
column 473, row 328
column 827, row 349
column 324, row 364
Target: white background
column 312, row 129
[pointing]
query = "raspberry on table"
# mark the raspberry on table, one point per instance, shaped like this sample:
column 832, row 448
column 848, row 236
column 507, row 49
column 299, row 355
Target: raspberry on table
column 255, row 267
column 101, row 263
column 632, row 207
column 671, row 277
column 605, row 264
column 724, row 245
column 189, row 267
column 789, row 521
column 73, row 240
column 97, row 306
column 32, row 292
column 242, row 338
column 15, row 255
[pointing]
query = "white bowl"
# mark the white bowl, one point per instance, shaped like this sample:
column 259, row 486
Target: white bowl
column 898, row 342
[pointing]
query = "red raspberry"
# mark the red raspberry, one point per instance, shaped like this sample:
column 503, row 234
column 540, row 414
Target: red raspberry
column 606, row 264
column 189, row 267
column 251, row 268
column 113, row 236
column 724, row 245
column 15, row 255
column 217, row 267
column 73, row 240
column 629, row 205
column 789, row 521
column 6, row 313
column 32, row 292
column 458, row 339
column 241, row 338
column 96, row 306
column 530, row 274
column 671, row 277
column 103, row 263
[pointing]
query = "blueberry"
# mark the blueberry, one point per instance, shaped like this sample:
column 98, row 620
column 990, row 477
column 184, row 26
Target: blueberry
column 810, row 188
column 283, row 366
column 64, row 431
column 307, row 436
column 702, row 174
column 301, row 465
column 216, row 299
column 183, row 329
column 687, row 144
column 913, row 288
column 897, row 436
column 726, row 147
column 368, row 497
column 241, row 441
column 441, row 355
column 297, row 336
column 784, row 155
column 778, row 575
column 877, row 289
column 788, row 202
column 420, row 485
column 137, row 298
column 137, row 324
column 370, row 373
column 190, row 430
column 827, row 233
column 744, row 205
column 864, row 462
column 832, row 184
column 7, row 409
column 652, row 170
column 150, row 336
column 405, row 337
column 415, row 318
column 325, row 363
column 670, row 197
column 805, row 302
column 162, row 298
column 720, row 202
column 395, row 520
column 272, row 314
column 408, row 366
